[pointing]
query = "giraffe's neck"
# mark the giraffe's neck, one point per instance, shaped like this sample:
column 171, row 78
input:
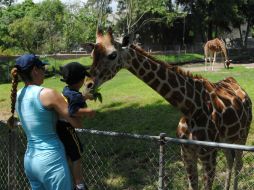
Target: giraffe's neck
column 175, row 85
column 225, row 53
column 222, row 47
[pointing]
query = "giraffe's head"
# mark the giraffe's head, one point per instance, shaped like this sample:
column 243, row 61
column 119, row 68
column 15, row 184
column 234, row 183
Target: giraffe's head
column 227, row 63
column 108, row 58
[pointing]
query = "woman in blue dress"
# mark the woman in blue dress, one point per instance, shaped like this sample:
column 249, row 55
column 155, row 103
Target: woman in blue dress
column 38, row 108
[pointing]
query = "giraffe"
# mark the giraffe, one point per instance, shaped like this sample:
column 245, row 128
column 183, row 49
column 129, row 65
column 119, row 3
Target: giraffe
column 211, row 48
column 219, row 112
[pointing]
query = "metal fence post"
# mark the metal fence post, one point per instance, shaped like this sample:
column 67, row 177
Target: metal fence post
column 162, row 161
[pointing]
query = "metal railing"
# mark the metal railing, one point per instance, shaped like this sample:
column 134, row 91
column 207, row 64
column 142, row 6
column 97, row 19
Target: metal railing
column 124, row 161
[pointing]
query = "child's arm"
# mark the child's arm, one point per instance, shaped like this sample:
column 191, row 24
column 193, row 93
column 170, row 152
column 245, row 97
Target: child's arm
column 87, row 112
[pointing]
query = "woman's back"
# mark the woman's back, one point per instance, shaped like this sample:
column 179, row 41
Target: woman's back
column 37, row 121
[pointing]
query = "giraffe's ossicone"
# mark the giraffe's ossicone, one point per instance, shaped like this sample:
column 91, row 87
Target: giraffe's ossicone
column 218, row 112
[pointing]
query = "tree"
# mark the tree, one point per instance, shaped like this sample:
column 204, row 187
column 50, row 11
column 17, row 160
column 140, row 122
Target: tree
column 52, row 12
column 8, row 15
column 246, row 8
column 212, row 17
column 80, row 26
column 28, row 33
column 101, row 8
column 133, row 12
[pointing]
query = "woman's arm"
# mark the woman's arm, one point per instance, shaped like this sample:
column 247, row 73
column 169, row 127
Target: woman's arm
column 52, row 99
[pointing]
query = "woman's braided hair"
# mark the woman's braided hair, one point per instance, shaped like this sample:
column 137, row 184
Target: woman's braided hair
column 14, row 74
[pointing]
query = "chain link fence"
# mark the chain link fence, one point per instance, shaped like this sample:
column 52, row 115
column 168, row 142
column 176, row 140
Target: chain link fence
column 122, row 161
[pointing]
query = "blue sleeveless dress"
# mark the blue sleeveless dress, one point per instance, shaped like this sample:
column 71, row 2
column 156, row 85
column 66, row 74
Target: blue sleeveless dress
column 45, row 161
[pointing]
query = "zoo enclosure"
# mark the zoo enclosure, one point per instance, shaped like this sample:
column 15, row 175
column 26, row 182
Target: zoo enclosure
column 113, row 160
column 238, row 55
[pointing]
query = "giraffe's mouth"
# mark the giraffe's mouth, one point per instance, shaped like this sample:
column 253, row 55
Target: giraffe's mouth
column 90, row 90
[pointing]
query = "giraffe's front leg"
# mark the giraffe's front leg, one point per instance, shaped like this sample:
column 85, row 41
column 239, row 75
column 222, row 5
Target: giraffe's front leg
column 208, row 159
column 214, row 59
column 190, row 162
column 188, row 154
column 238, row 167
column 206, row 58
column 230, row 161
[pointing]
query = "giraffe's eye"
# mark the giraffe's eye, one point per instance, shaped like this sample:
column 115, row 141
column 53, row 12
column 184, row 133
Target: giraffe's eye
column 112, row 56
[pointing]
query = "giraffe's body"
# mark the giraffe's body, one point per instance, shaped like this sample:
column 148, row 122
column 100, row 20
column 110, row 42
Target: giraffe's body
column 220, row 112
column 211, row 48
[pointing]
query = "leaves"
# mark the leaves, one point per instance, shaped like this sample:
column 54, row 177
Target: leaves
column 98, row 96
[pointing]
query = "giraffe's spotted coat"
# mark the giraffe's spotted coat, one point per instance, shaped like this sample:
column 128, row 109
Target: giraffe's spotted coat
column 219, row 112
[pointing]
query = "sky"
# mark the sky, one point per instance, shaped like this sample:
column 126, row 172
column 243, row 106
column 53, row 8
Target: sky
column 113, row 4
column 64, row 1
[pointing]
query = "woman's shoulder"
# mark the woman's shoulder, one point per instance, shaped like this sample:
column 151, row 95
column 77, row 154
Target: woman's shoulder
column 49, row 97
column 49, row 92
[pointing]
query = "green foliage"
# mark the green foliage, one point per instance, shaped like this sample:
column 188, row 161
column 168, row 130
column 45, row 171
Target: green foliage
column 51, row 26
column 79, row 27
column 138, row 13
column 46, row 27
column 29, row 40
column 52, row 13
column 213, row 18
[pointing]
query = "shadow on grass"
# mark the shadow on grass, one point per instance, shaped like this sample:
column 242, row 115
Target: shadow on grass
column 150, row 119
column 124, row 163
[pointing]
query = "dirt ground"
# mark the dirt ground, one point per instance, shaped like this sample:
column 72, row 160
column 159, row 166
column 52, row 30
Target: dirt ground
column 4, row 115
column 201, row 67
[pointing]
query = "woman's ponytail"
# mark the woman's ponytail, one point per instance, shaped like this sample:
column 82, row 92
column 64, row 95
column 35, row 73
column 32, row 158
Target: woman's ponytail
column 14, row 74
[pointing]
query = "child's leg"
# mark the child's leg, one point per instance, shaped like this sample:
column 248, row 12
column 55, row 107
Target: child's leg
column 77, row 171
column 77, row 175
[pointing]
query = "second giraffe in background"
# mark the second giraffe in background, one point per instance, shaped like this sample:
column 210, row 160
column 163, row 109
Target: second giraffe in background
column 211, row 48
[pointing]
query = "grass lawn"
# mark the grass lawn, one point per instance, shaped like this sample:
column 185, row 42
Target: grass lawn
column 129, row 105
column 180, row 58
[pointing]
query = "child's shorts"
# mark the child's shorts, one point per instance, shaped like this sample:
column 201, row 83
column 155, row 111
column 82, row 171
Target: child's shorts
column 70, row 140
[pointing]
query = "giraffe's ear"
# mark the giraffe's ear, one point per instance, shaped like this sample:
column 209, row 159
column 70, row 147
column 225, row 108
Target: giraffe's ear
column 110, row 31
column 126, row 41
column 99, row 35
column 110, row 34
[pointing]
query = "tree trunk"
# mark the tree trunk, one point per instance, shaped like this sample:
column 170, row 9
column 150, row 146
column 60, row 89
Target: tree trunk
column 210, row 31
column 241, row 35
column 246, row 35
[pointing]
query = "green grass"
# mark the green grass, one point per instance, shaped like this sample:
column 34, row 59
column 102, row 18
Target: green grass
column 180, row 58
column 129, row 105
column 56, row 63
